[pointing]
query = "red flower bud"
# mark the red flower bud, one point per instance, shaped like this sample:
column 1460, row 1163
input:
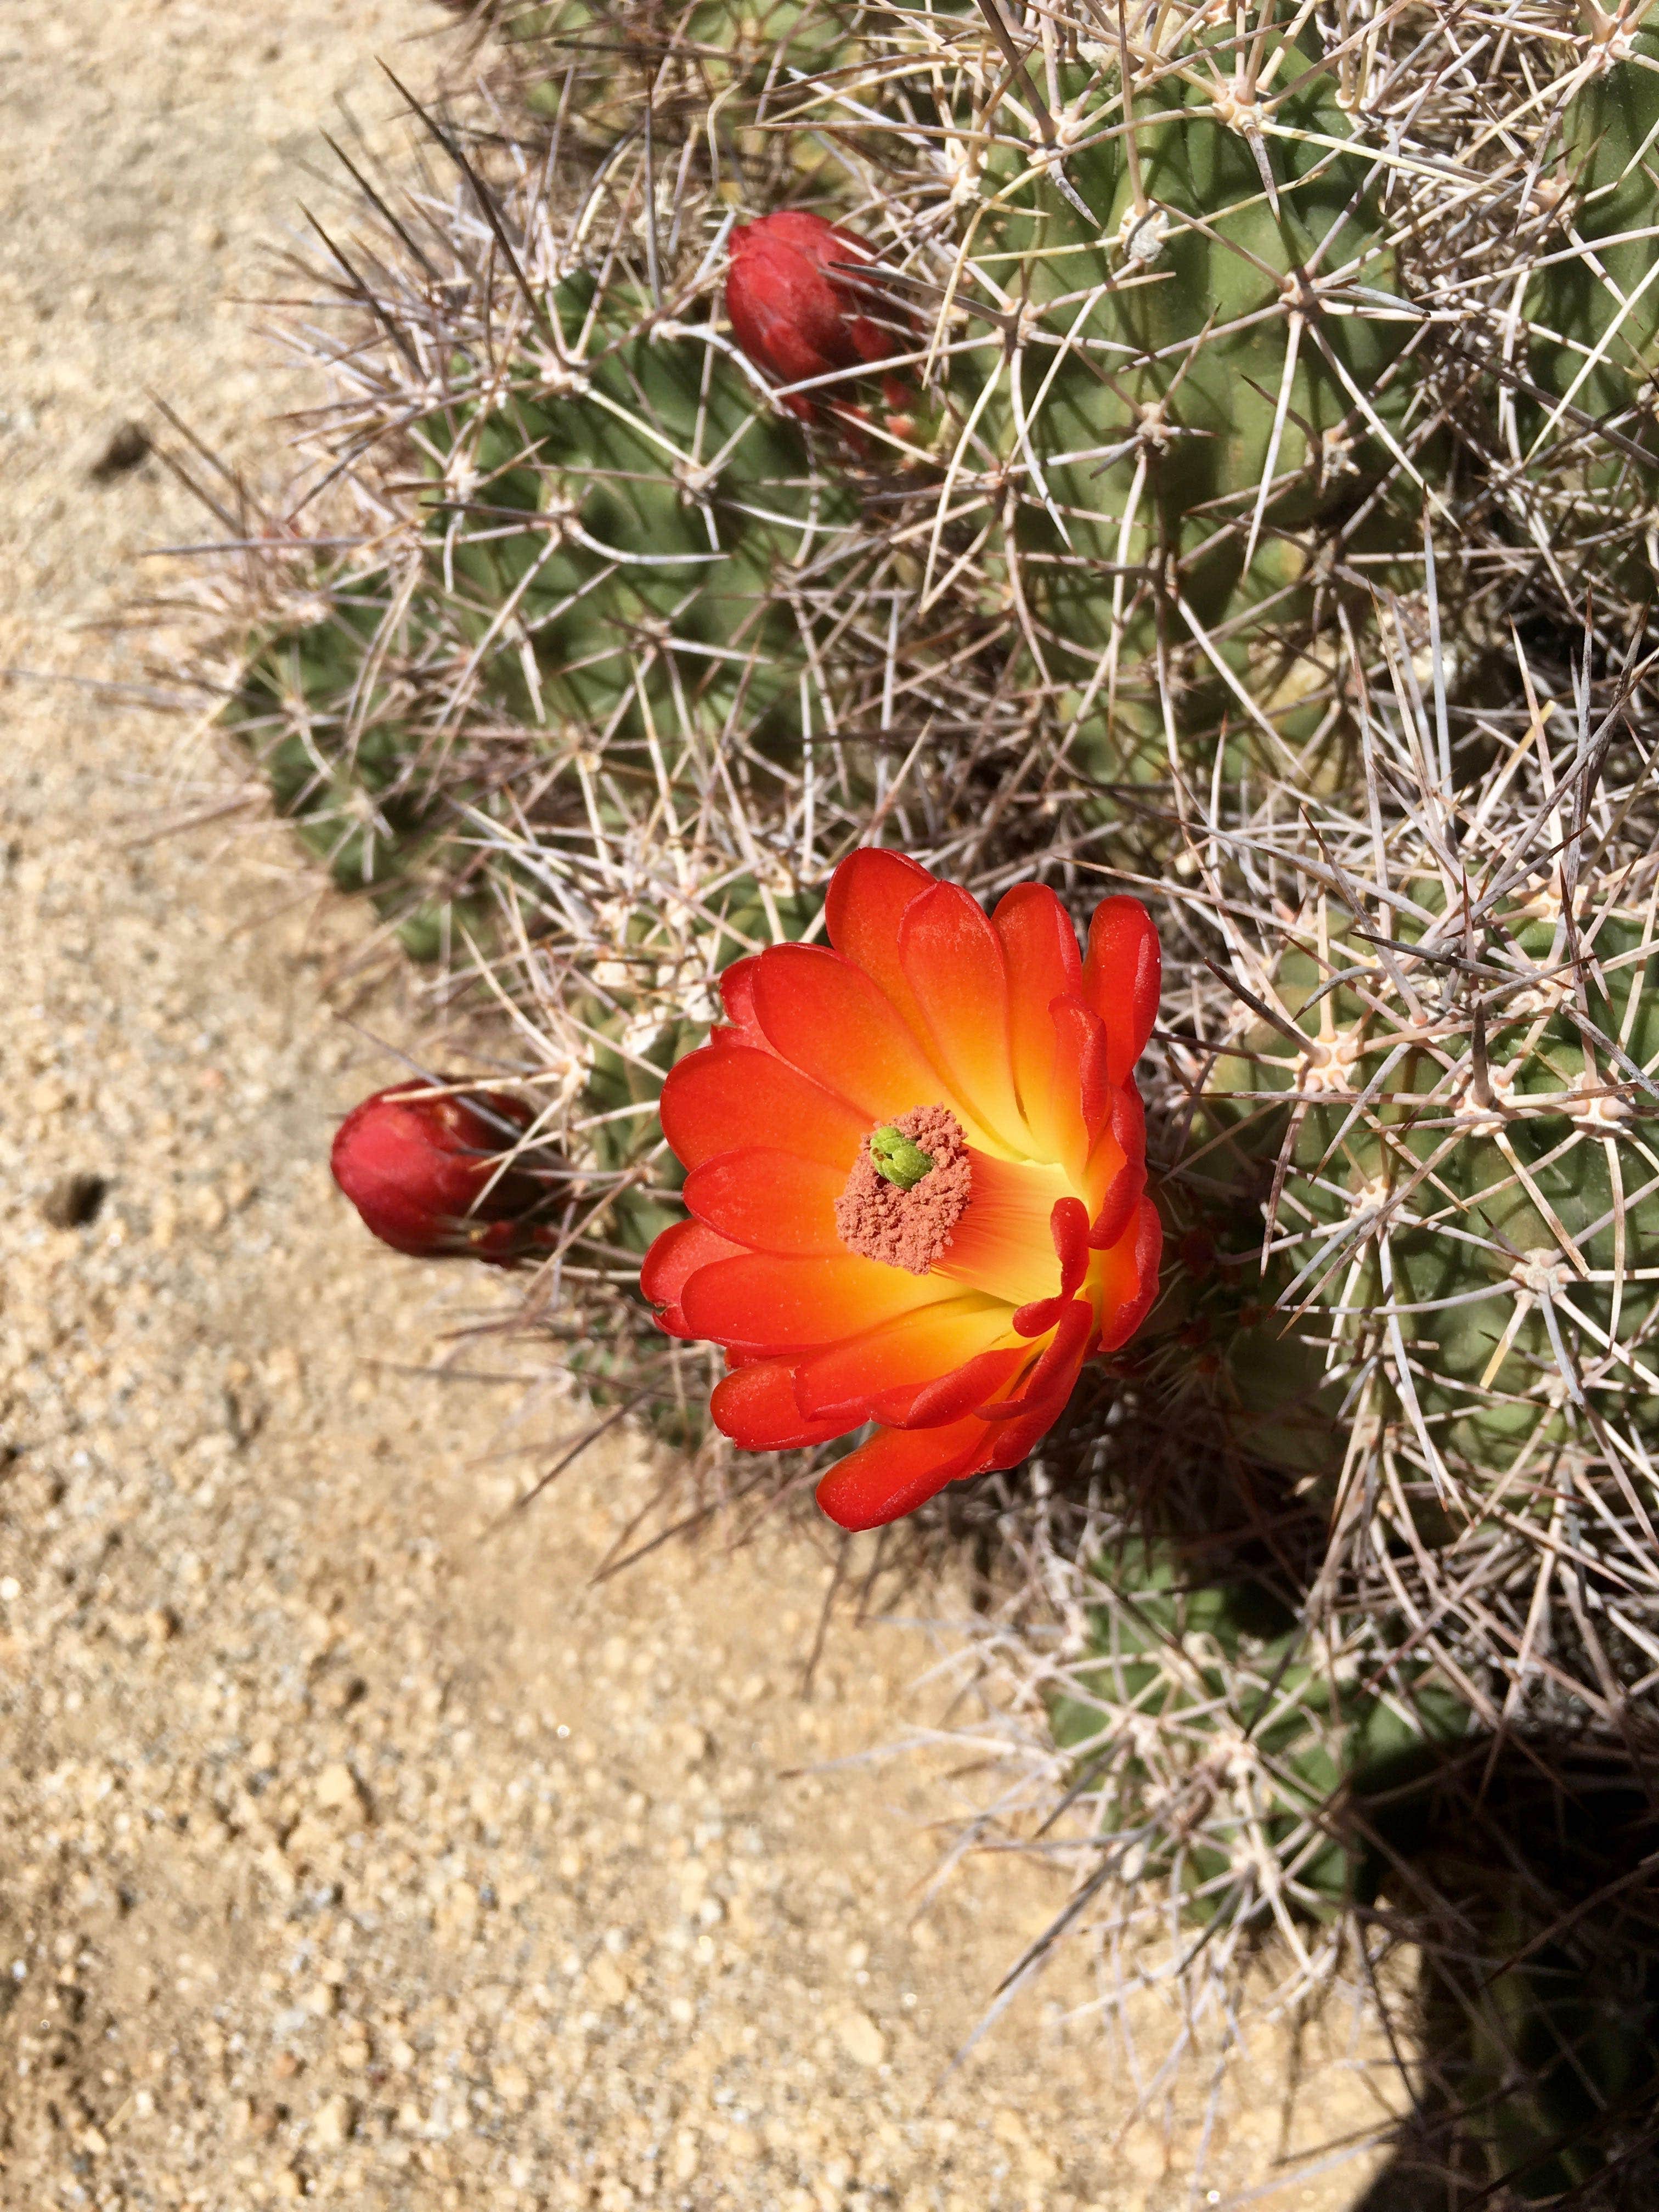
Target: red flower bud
column 797, row 306
column 425, row 1174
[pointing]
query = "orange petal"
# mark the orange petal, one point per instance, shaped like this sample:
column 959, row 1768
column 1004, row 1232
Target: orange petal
column 829, row 1019
column 1003, row 1244
column 949, row 1397
column 1123, row 976
column 900, row 1469
column 673, row 1259
column 771, row 1201
column 1040, row 946
column 863, row 908
column 762, row 1301
column 729, row 1095
column 953, row 962
column 756, row 1407
column 916, row 1348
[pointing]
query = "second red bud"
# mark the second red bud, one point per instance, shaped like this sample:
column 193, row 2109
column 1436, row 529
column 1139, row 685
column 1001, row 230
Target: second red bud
column 425, row 1173
column 797, row 309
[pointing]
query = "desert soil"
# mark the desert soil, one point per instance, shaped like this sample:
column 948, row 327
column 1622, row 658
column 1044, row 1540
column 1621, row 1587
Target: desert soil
column 349, row 1847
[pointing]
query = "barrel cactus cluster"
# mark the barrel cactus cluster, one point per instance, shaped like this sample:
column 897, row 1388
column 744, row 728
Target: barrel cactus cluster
column 1201, row 460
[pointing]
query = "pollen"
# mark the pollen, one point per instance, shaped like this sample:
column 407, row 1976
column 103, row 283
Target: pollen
column 902, row 1226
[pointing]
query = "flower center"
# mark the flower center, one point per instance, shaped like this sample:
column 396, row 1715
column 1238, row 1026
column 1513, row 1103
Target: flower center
column 908, row 1190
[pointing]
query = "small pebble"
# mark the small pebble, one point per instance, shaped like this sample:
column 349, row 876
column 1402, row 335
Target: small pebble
column 75, row 1200
column 129, row 448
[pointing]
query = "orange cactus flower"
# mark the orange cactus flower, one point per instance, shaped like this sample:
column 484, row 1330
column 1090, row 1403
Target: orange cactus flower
column 916, row 1179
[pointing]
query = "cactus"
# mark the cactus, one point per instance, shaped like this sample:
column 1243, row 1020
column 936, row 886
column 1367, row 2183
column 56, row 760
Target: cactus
column 1226, row 1749
column 1458, row 1191
column 1550, row 301
column 1118, row 525
column 1173, row 371
column 1188, row 426
column 1469, row 1163
column 1204, row 346
column 592, row 71
column 1594, row 310
column 1414, row 1195
column 1225, row 537
column 622, row 570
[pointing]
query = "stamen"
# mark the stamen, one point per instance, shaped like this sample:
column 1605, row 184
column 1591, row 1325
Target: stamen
column 908, row 1190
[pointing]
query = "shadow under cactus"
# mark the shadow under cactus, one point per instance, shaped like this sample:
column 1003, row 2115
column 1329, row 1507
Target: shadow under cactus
column 1527, row 1876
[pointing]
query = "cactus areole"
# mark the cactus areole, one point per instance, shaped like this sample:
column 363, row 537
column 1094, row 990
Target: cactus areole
column 917, row 1179
column 426, row 1173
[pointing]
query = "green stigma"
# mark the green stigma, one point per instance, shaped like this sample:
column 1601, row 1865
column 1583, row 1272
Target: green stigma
column 899, row 1158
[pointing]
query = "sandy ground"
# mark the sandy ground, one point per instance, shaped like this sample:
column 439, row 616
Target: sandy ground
column 350, row 1849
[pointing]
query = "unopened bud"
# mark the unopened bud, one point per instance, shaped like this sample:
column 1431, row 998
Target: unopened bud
column 797, row 307
column 426, row 1174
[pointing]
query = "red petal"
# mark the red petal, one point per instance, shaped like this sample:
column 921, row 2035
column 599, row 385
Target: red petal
column 673, row 1261
column 727, row 1095
column 1039, row 1317
column 1119, row 1206
column 898, row 1470
column 1050, row 1381
column 425, row 1174
column 904, row 1355
column 1082, row 1051
column 1018, row 1439
column 829, row 1019
column 864, row 906
column 785, row 314
column 1123, row 976
column 870, row 342
column 737, row 997
column 1083, row 1096
column 1043, row 964
column 795, row 299
column 756, row 1407
column 1068, row 1224
column 1129, row 1121
column 771, row 1201
column 760, row 1302
column 953, row 962
column 1135, row 1286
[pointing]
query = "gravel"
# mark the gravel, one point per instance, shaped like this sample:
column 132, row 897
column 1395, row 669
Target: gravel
column 352, row 1845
